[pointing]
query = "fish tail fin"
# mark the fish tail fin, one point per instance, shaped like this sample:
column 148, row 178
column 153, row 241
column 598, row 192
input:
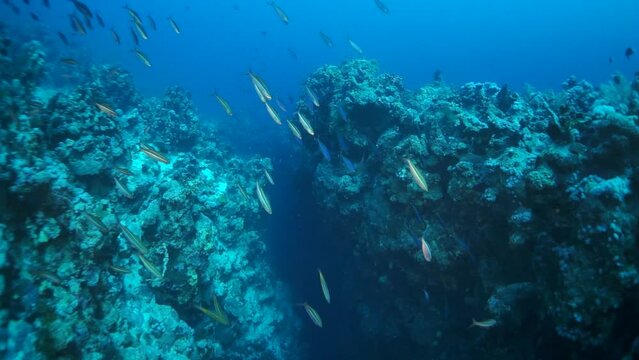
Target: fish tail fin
column 472, row 324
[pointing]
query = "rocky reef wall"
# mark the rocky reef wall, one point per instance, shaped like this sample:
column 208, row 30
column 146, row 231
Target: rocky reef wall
column 109, row 253
column 530, row 214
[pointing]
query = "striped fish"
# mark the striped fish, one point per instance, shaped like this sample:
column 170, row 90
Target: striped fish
column 133, row 239
column 225, row 105
column 142, row 56
column 327, row 294
column 149, row 266
column 269, row 177
column 153, row 154
column 123, row 171
column 484, row 324
column 417, row 175
column 324, row 150
column 305, row 123
column 242, row 191
column 273, row 114
column 141, row 31
column 106, row 109
column 120, row 185
column 317, row 320
column 260, row 87
column 119, row 269
column 296, row 132
column 426, row 250
column 313, row 97
column 97, row 222
column 261, row 196
column 174, row 26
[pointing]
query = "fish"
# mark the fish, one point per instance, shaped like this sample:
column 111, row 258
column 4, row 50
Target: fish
column 134, row 36
column 34, row 17
column 327, row 294
column 122, row 187
column 149, row 266
column 305, row 123
column 483, row 324
column 174, row 25
column 119, row 269
column 143, row 57
column 97, row 222
column 63, row 38
column 426, row 250
column 296, row 132
column 69, row 61
column 280, row 13
column 217, row 315
column 259, row 93
column 292, row 53
column 99, row 19
column 115, row 35
column 260, row 87
column 269, row 177
column 106, row 109
column 123, row 171
column 82, row 8
column 273, row 114
column 87, row 22
column 342, row 113
column 154, row 154
column 242, row 191
column 354, row 46
column 133, row 239
column 343, row 146
column 417, row 175
column 629, row 52
column 382, row 6
column 152, row 23
column 225, row 105
column 324, row 150
column 280, row 105
column 327, row 40
column 141, row 31
column 313, row 96
column 49, row 276
column 350, row 167
column 261, row 196
column 426, row 296
column 133, row 14
column 317, row 320
column 76, row 25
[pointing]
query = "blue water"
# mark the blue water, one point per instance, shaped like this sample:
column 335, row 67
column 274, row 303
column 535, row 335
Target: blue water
column 539, row 42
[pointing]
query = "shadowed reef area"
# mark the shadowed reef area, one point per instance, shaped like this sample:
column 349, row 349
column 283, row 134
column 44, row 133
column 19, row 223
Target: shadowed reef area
column 118, row 223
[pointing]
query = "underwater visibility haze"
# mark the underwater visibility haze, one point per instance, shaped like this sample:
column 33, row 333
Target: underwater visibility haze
column 369, row 179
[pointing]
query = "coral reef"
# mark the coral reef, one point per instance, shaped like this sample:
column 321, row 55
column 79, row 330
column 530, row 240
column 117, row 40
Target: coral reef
column 106, row 252
column 530, row 214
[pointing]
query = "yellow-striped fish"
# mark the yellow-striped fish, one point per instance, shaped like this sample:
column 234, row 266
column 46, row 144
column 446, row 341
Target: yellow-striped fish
column 417, row 175
column 119, row 269
column 97, row 222
column 259, row 93
column 225, row 105
column 120, row 185
column 217, row 315
column 242, row 191
column 149, row 266
column 305, row 123
column 143, row 57
column 313, row 97
column 133, row 239
column 317, row 320
column 354, row 46
column 134, row 15
column 484, row 324
column 106, row 109
column 260, row 86
column 174, row 25
column 123, row 171
column 261, row 196
column 269, row 177
column 327, row 295
column 273, row 114
column 296, row 132
column 141, row 31
column 280, row 13
column 153, row 154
